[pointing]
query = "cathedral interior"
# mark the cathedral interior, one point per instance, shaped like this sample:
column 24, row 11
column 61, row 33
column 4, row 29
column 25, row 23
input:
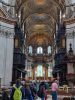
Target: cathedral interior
column 37, row 40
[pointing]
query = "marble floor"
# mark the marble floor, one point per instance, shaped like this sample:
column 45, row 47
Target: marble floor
column 60, row 97
column 48, row 98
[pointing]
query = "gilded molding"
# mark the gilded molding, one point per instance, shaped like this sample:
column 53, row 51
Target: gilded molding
column 6, row 20
column 69, row 21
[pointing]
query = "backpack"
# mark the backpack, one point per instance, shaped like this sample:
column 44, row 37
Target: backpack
column 17, row 93
column 41, row 92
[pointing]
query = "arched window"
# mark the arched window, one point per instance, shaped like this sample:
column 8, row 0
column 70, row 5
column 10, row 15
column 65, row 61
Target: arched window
column 39, row 50
column 49, row 49
column 30, row 49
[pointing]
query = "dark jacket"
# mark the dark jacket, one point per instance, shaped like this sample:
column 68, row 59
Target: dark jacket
column 41, row 92
column 5, row 95
column 12, row 93
column 28, row 94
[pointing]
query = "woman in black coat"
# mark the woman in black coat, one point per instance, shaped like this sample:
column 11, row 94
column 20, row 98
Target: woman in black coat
column 5, row 95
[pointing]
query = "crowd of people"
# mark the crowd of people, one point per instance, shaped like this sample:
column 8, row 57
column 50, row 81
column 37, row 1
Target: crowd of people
column 23, row 90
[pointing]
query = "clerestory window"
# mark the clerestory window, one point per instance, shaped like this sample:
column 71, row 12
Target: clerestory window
column 39, row 50
column 49, row 49
column 30, row 49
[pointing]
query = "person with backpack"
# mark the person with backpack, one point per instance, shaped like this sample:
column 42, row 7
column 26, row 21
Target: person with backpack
column 42, row 92
column 4, row 94
column 17, row 92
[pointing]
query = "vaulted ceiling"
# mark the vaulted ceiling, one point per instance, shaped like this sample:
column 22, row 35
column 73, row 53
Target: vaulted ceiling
column 40, row 18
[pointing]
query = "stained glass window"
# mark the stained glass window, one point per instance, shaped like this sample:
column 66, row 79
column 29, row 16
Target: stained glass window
column 39, row 71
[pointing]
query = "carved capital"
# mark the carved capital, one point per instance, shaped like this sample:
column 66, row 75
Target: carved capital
column 7, row 33
column 70, row 35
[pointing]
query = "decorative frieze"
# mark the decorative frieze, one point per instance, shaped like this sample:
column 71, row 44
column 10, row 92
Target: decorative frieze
column 7, row 33
column 6, row 20
column 70, row 35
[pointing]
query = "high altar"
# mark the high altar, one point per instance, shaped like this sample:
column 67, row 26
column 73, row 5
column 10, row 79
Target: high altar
column 40, row 72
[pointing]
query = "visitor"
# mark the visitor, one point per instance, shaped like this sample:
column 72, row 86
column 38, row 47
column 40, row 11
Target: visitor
column 27, row 92
column 17, row 92
column 42, row 84
column 5, row 94
column 42, row 92
column 54, row 89
column 33, row 90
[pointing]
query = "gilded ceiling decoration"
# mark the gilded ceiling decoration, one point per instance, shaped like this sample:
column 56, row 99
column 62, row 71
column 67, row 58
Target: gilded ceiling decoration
column 38, row 39
column 40, row 17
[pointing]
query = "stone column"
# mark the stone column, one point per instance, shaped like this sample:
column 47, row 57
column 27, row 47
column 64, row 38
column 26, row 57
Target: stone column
column 6, row 52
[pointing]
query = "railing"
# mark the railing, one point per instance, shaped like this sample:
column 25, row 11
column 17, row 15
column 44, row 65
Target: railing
column 40, row 55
